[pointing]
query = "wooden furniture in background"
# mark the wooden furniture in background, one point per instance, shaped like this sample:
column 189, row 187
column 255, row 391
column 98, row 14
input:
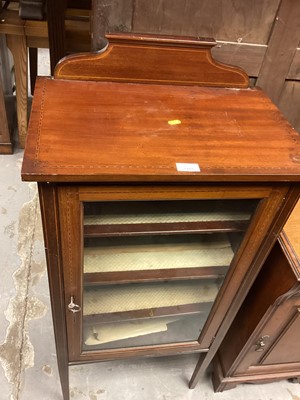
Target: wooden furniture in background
column 171, row 149
column 32, row 9
column 6, row 146
column 57, row 12
column 249, row 36
column 22, row 35
column 262, row 344
column 7, row 113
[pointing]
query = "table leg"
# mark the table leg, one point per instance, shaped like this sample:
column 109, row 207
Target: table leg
column 17, row 45
column 5, row 140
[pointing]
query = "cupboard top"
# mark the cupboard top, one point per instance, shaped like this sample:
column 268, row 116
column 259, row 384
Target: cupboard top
column 101, row 132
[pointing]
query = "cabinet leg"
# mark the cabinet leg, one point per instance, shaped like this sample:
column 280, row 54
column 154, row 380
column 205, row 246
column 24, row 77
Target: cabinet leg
column 204, row 360
column 220, row 382
column 296, row 379
column 228, row 386
column 198, row 371
column 64, row 378
column 220, row 385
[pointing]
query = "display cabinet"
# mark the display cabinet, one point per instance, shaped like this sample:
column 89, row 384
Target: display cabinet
column 160, row 197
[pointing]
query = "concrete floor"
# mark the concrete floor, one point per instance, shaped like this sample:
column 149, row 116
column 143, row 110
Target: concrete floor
column 27, row 352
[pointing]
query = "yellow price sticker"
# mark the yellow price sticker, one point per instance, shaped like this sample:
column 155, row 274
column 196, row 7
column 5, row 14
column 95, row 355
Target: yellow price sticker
column 174, row 122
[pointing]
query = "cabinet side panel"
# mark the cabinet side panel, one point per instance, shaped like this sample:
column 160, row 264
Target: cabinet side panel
column 50, row 217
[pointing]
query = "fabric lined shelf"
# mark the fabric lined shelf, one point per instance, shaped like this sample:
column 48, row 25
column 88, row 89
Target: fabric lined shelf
column 162, row 252
column 122, row 298
column 113, row 213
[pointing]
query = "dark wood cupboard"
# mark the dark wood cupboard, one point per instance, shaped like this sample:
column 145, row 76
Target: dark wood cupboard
column 158, row 205
column 262, row 343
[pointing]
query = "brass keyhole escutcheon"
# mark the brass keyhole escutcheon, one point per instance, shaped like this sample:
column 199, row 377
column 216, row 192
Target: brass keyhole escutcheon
column 260, row 344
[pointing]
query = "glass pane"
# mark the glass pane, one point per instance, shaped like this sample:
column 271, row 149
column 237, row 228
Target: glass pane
column 152, row 270
column 146, row 313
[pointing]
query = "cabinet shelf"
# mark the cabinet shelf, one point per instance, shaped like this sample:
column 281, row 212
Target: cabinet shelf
column 157, row 256
column 107, row 230
column 147, row 299
column 164, row 217
column 120, row 277
column 122, row 312
column 144, row 313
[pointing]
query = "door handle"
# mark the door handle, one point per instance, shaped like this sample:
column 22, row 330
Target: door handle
column 260, row 344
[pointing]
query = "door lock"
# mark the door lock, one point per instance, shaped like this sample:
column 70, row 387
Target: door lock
column 74, row 308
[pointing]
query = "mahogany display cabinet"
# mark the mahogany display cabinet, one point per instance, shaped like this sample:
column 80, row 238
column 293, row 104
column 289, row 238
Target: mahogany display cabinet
column 163, row 185
column 262, row 344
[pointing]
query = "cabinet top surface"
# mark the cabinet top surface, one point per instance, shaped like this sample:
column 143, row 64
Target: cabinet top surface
column 101, row 132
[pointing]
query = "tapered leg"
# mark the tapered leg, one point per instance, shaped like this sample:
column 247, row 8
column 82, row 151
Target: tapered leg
column 198, row 371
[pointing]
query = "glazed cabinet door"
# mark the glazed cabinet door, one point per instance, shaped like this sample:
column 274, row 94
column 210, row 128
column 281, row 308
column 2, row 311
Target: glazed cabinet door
column 153, row 270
